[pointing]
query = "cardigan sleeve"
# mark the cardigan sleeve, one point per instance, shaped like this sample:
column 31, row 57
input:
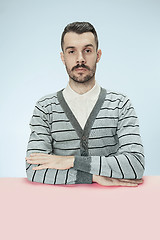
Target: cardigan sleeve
column 128, row 161
column 40, row 141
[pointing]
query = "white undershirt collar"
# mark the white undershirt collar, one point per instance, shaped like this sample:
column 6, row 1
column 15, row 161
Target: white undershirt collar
column 69, row 93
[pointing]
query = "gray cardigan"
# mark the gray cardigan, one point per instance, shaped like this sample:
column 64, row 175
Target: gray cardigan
column 109, row 145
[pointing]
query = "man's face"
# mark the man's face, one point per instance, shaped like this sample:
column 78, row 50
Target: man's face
column 80, row 56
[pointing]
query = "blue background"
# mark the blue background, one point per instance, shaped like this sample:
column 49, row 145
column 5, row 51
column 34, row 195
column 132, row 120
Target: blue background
column 31, row 67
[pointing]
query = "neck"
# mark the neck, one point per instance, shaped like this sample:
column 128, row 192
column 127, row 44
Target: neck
column 81, row 88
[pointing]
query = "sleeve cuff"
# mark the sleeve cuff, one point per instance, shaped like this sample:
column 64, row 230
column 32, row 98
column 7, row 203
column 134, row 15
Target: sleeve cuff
column 82, row 164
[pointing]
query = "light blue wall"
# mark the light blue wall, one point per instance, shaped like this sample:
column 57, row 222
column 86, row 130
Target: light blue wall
column 30, row 32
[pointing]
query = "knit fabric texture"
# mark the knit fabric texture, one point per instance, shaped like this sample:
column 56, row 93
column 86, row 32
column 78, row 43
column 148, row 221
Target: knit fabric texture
column 109, row 145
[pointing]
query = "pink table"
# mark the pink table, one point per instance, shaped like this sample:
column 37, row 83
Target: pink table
column 40, row 211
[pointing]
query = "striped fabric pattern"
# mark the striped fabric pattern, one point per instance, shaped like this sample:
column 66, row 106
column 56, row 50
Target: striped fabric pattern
column 109, row 145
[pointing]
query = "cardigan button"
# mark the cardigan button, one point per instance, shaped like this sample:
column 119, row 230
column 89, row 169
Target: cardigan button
column 84, row 144
column 83, row 153
column 84, row 138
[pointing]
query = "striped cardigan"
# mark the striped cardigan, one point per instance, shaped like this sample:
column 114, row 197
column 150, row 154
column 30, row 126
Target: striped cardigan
column 109, row 145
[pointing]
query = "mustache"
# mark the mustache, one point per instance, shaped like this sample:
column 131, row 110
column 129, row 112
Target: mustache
column 80, row 66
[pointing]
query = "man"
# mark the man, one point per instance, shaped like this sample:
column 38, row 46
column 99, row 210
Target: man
column 84, row 133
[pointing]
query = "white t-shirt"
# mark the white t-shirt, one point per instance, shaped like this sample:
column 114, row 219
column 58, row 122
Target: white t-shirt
column 81, row 104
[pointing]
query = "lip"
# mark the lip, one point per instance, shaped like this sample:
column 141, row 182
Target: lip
column 80, row 69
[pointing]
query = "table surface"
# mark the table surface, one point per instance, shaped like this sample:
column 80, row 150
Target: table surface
column 30, row 210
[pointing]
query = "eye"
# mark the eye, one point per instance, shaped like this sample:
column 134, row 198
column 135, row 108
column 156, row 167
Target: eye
column 71, row 52
column 87, row 50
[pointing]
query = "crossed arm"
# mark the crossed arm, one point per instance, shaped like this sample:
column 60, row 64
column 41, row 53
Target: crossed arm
column 124, row 169
column 66, row 162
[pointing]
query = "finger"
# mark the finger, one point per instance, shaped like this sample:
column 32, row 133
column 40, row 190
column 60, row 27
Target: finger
column 125, row 184
column 36, row 154
column 36, row 161
column 40, row 167
column 116, row 182
column 121, row 183
column 131, row 179
column 138, row 181
column 35, row 157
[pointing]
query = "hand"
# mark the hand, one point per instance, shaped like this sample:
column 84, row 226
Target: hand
column 50, row 161
column 106, row 181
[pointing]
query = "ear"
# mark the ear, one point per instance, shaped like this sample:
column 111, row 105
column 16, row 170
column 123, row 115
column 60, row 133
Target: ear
column 99, row 54
column 62, row 58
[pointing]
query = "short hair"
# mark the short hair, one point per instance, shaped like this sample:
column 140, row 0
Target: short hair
column 79, row 27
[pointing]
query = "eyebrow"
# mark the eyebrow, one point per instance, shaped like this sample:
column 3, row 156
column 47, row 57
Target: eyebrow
column 88, row 45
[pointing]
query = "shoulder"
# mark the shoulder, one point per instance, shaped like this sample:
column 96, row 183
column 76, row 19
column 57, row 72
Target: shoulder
column 48, row 103
column 116, row 100
column 48, row 99
column 115, row 96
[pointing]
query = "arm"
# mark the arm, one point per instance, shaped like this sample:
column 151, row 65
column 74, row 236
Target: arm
column 40, row 141
column 128, row 162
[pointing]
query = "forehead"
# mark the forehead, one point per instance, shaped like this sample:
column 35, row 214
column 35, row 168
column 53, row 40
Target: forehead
column 79, row 40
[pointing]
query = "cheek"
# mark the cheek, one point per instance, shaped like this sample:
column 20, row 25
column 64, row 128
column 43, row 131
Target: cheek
column 91, row 61
column 69, row 62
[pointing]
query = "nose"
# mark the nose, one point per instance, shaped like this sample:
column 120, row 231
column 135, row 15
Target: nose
column 80, row 58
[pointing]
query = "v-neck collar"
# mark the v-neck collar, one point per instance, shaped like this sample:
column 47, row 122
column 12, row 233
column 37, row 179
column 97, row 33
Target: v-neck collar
column 71, row 95
column 82, row 133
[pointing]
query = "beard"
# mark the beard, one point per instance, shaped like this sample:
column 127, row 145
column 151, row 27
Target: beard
column 81, row 78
